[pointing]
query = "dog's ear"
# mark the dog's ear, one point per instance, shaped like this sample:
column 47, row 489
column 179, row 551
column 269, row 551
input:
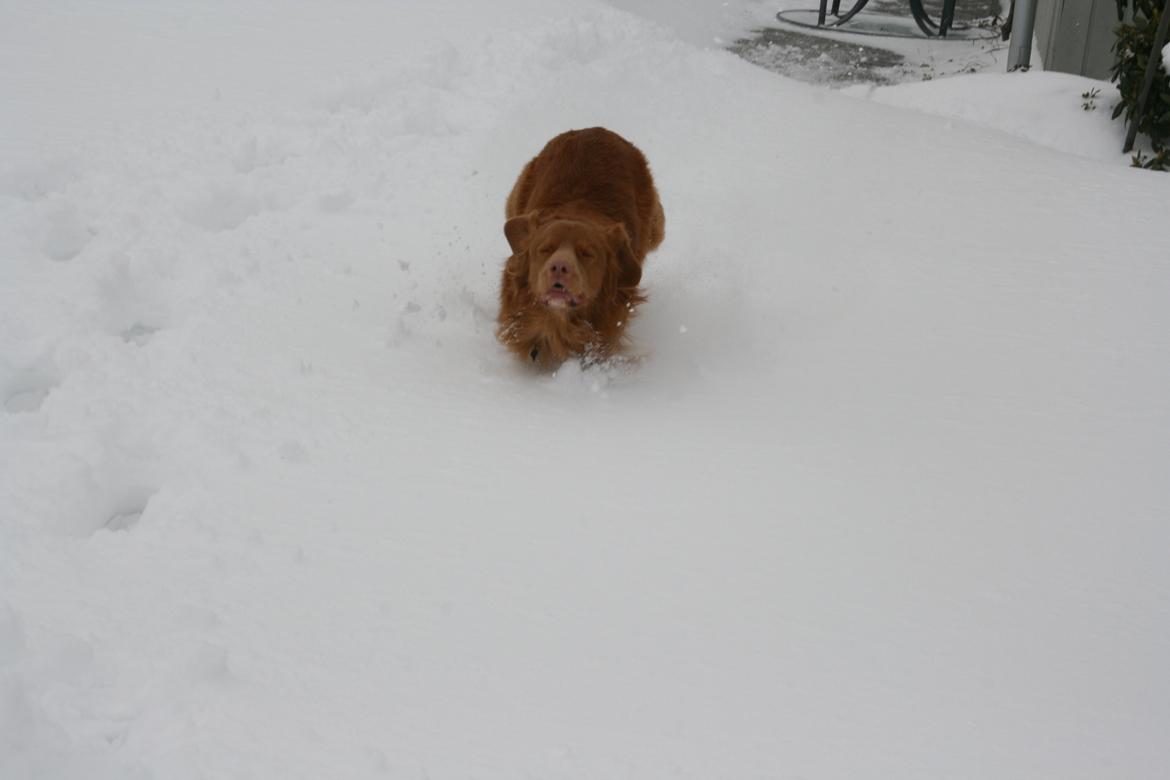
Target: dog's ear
column 518, row 230
column 516, row 270
column 629, row 272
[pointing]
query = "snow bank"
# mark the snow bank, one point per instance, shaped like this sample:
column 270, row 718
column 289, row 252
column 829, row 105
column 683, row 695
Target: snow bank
column 1046, row 108
column 884, row 497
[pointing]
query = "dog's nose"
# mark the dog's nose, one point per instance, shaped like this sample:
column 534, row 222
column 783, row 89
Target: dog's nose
column 559, row 270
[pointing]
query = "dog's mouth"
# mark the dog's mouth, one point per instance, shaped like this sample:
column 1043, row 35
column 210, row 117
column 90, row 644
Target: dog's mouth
column 560, row 297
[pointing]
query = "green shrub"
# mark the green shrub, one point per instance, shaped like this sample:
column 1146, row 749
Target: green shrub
column 1133, row 49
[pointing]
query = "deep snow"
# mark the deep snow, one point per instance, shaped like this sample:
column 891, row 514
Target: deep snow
column 1045, row 108
column 885, row 495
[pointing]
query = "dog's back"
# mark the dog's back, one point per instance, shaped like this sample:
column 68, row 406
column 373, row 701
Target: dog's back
column 598, row 171
column 581, row 219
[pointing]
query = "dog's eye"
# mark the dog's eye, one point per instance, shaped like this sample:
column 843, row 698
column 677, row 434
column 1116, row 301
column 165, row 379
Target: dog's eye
column 586, row 254
column 546, row 250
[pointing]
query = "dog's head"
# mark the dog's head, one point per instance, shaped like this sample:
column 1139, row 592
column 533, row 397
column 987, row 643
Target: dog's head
column 566, row 265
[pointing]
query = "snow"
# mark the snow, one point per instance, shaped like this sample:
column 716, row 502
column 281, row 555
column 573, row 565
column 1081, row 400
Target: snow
column 702, row 23
column 881, row 492
column 1044, row 108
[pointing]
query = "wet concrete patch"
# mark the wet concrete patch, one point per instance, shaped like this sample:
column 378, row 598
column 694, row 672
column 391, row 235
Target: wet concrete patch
column 821, row 59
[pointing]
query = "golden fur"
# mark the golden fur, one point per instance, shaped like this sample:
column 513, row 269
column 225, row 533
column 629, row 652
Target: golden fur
column 581, row 219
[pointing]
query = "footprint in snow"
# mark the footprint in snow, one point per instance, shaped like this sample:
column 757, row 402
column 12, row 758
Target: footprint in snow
column 27, row 393
column 36, row 180
column 123, row 521
column 129, row 510
column 334, row 201
column 138, row 334
column 12, row 642
column 220, row 208
column 66, row 235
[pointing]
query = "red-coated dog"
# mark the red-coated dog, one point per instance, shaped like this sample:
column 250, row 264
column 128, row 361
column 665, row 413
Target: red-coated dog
column 580, row 220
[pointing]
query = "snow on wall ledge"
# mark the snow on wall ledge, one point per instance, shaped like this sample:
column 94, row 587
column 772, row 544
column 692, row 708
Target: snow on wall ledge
column 884, row 496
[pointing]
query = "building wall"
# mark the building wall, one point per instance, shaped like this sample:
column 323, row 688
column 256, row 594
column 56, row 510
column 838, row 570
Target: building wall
column 1076, row 36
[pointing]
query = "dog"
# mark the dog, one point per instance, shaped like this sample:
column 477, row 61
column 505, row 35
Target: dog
column 580, row 220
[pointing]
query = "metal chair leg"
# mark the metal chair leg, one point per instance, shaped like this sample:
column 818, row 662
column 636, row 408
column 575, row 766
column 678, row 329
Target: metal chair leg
column 948, row 16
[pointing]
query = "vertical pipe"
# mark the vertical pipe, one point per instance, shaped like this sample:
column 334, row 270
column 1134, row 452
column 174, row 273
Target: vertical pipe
column 1023, row 22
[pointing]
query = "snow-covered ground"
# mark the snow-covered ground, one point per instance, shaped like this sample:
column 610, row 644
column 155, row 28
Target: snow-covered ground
column 886, row 496
column 1057, row 110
